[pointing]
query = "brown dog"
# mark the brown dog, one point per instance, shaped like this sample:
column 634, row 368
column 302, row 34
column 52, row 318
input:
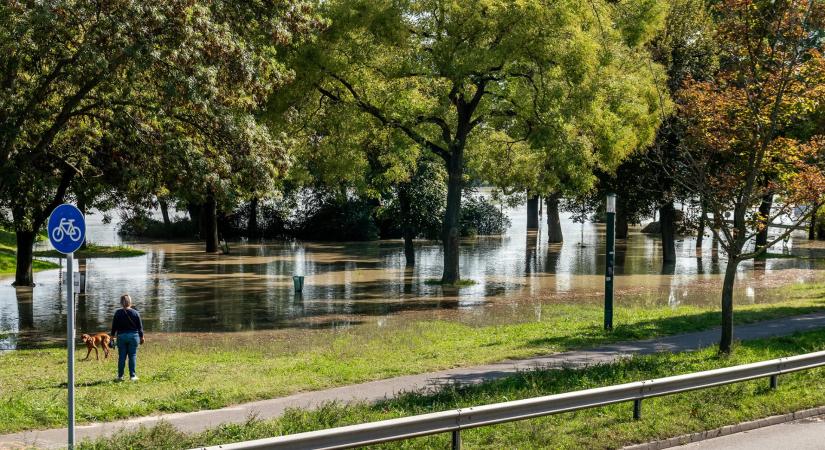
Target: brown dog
column 92, row 341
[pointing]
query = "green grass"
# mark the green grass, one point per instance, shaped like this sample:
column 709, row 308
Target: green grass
column 458, row 284
column 96, row 251
column 189, row 372
column 604, row 427
column 8, row 259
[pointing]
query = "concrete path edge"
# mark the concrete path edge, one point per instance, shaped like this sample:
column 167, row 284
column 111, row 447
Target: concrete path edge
column 728, row 430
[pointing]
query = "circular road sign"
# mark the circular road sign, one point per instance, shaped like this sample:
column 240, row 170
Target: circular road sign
column 67, row 228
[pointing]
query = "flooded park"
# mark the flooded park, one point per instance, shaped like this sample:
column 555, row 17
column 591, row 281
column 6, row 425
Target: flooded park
column 179, row 288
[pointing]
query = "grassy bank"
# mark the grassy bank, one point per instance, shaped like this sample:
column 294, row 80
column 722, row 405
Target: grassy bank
column 606, row 427
column 8, row 258
column 96, row 251
column 188, row 372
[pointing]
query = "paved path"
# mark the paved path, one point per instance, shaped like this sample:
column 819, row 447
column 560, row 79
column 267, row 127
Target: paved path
column 806, row 434
column 377, row 390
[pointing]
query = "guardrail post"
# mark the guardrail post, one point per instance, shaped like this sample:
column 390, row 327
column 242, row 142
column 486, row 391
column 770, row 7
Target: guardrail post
column 637, row 409
column 774, row 381
column 456, row 440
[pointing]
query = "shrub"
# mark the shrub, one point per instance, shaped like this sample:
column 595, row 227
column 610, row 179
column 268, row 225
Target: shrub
column 328, row 217
column 141, row 225
column 480, row 217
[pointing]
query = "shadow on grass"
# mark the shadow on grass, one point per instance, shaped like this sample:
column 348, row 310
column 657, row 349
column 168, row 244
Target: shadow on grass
column 595, row 335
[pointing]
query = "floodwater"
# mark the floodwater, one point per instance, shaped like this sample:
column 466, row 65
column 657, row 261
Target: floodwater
column 177, row 287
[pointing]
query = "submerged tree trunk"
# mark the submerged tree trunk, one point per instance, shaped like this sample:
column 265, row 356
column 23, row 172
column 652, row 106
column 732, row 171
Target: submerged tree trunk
column 210, row 224
column 812, row 226
column 726, row 340
column 553, row 221
column 700, row 228
column 450, row 233
column 252, row 231
column 407, row 229
column 667, row 222
column 533, row 212
column 764, row 213
column 23, row 273
column 164, row 211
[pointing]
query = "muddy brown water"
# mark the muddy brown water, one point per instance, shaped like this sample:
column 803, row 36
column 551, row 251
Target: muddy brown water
column 177, row 287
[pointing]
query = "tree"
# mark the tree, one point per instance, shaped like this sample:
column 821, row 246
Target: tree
column 748, row 130
column 454, row 77
column 77, row 77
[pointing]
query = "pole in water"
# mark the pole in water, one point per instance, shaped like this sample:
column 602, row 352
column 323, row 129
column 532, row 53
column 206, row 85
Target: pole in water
column 70, row 342
column 610, row 261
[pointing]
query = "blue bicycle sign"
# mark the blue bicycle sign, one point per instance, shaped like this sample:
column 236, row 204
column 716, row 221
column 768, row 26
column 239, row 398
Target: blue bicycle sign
column 67, row 228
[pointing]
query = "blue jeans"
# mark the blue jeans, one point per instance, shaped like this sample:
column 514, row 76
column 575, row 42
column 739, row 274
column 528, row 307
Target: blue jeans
column 127, row 345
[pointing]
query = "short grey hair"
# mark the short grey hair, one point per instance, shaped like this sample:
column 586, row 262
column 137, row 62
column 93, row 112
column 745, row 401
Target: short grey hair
column 125, row 300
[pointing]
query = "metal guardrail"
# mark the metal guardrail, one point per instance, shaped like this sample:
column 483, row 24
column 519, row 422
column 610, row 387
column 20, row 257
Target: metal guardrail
column 453, row 421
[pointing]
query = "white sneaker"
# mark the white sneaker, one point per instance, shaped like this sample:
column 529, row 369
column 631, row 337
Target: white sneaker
column 134, row 378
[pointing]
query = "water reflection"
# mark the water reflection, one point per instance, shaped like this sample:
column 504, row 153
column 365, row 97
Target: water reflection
column 179, row 288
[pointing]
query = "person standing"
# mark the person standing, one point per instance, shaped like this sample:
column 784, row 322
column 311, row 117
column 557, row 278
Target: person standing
column 128, row 328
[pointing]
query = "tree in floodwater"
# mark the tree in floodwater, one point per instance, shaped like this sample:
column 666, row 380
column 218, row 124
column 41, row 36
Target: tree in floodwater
column 752, row 129
column 77, row 76
column 453, row 76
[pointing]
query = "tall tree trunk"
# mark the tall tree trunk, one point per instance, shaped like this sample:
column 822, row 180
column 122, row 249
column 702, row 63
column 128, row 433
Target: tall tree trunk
column 553, row 221
column 812, row 227
column 667, row 222
column 407, row 229
column 765, row 213
column 252, row 231
column 210, row 224
column 451, row 232
column 700, row 232
column 23, row 273
column 533, row 212
column 622, row 224
column 726, row 340
column 164, row 211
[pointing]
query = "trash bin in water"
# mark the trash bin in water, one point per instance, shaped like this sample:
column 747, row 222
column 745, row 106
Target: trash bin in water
column 298, row 282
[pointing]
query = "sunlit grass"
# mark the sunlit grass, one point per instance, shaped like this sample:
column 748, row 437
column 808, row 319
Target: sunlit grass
column 187, row 372
column 96, row 251
column 8, row 259
column 605, row 427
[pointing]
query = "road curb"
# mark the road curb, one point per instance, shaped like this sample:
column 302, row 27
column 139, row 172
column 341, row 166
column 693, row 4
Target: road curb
column 728, row 430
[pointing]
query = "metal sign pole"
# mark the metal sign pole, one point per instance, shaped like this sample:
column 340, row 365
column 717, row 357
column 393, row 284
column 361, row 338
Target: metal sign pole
column 70, row 341
column 609, row 266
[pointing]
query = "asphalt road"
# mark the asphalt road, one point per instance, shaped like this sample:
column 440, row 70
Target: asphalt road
column 806, row 434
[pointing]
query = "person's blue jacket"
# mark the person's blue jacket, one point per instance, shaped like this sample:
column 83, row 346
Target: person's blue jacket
column 126, row 320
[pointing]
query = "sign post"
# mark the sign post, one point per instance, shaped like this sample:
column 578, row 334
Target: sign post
column 67, row 231
column 610, row 262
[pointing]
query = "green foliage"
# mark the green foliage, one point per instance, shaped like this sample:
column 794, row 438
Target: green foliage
column 327, row 217
column 141, row 225
column 426, row 193
column 480, row 217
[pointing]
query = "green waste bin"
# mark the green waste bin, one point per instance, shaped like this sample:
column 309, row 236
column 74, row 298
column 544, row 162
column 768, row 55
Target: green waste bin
column 298, row 282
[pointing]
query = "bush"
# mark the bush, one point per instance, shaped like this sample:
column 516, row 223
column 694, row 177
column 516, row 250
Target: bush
column 141, row 225
column 331, row 218
column 427, row 191
column 273, row 220
column 480, row 217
